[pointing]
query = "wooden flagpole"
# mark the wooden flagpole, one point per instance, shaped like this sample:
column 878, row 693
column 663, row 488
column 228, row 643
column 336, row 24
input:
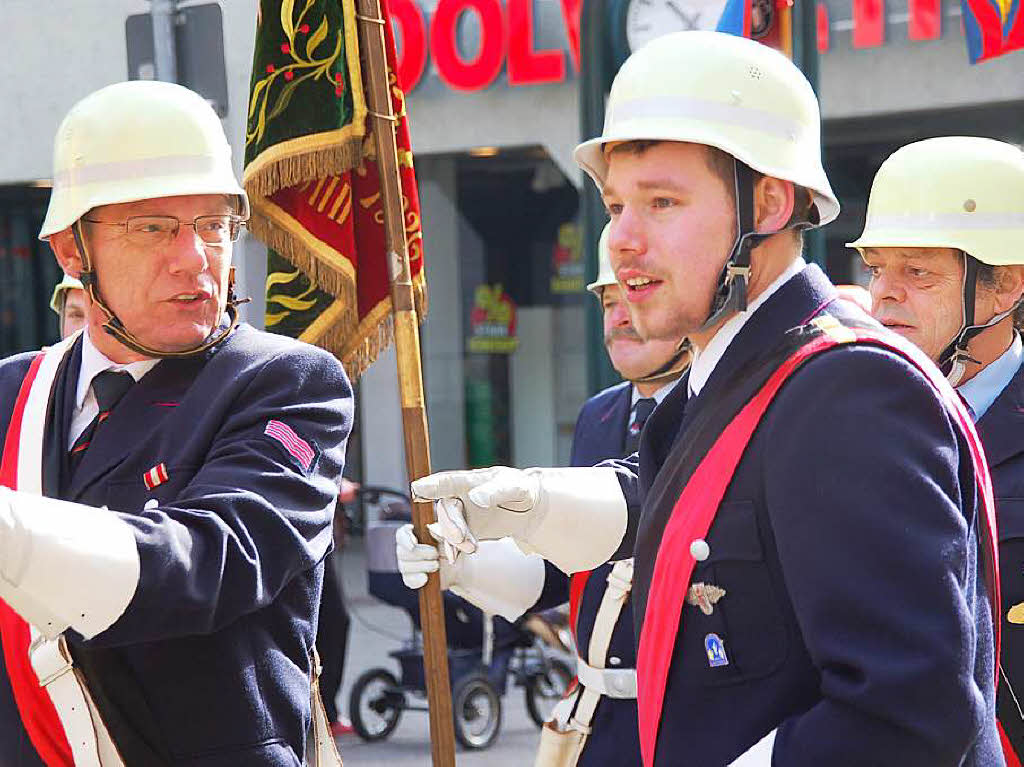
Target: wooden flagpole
column 410, row 373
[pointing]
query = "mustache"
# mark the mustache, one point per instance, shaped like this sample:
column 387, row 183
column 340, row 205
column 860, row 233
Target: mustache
column 626, row 334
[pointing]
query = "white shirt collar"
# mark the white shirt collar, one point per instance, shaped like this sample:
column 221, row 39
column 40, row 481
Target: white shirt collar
column 704, row 361
column 658, row 396
column 983, row 389
column 95, row 362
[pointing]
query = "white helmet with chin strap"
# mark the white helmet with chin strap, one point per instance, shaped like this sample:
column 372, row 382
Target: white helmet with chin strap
column 60, row 290
column 736, row 95
column 959, row 192
column 134, row 141
column 680, row 360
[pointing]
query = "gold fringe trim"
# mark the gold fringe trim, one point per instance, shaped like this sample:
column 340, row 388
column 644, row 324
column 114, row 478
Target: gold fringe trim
column 303, row 159
column 308, row 158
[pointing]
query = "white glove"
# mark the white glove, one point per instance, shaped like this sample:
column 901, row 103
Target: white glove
column 498, row 578
column 65, row 564
column 759, row 755
column 575, row 518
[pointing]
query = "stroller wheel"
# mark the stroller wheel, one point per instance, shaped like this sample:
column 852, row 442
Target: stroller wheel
column 477, row 709
column 545, row 688
column 375, row 704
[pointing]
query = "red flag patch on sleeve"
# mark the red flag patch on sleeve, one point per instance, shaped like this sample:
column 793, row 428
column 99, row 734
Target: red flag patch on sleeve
column 292, row 442
column 156, row 476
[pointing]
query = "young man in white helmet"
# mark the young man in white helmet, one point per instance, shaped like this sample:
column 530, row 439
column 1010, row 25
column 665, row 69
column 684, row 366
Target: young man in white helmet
column 944, row 240
column 169, row 474
column 810, row 583
column 597, row 723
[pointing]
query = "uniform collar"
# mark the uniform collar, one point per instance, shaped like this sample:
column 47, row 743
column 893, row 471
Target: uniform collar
column 983, row 389
column 95, row 362
column 658, row 396
column 705, row 360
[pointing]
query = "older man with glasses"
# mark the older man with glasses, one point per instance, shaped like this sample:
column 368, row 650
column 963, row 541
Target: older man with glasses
column 169, row 473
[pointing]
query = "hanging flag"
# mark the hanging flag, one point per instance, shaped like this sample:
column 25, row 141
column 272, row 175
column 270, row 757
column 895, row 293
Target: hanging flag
column 311, row 175
column 736, row 18
column 992, row 28
column 767, row 21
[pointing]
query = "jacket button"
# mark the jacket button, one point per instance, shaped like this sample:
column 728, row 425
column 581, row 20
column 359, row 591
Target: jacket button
column 700, row 550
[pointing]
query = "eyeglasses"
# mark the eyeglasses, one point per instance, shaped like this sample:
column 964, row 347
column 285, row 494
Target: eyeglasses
column 157, row 231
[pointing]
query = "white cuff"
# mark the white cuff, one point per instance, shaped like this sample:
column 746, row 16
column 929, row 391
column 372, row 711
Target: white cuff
column 65, row 563
column 499, row 578
column 580, row 520
column 759, row 755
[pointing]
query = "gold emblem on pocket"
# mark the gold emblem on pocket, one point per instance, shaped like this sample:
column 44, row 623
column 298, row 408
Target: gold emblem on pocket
column 704, row 596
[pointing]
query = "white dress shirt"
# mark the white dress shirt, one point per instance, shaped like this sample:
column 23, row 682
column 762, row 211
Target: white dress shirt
column 95, row 362
column 704, row 360
column 983, row 389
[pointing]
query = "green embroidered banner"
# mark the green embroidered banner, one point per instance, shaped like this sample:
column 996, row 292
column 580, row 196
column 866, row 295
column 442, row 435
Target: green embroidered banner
column 311, row 175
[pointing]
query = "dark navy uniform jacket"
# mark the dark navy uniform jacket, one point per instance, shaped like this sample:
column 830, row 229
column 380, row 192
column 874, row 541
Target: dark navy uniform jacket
column 601, row 434
column 856, row 621
column 1002, row 432
column 209, row 666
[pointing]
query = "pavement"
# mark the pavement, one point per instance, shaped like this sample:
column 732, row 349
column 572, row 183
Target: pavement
column 377, row 629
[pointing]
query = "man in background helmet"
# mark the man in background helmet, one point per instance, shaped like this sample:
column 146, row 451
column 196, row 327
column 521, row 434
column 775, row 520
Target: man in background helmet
column 944, row 240
column 809, row 585
column 169, row 474
column 68, row 301
column 597, row 723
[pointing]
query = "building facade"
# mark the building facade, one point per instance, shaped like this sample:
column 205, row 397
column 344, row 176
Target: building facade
column 493, row 103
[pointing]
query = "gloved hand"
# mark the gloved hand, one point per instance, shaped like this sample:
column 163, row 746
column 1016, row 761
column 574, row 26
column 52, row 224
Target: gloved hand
column 498, row 577
column 574, row 517
column 416, row 560
column 65, row 564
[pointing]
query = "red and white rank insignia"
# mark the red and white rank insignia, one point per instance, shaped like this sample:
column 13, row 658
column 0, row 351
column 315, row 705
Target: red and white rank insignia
column 704, row 596
column 292, row 442
column 156, row 476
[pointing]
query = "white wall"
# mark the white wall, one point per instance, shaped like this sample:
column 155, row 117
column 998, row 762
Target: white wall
column 443, row 336
column 532, row 374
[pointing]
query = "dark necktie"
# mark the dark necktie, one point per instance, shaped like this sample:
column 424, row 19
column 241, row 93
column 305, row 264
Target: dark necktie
column 108, row 386
column 641, row 413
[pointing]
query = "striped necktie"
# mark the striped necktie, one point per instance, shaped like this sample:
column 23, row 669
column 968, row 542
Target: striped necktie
column 642, row 411
column 109, row 387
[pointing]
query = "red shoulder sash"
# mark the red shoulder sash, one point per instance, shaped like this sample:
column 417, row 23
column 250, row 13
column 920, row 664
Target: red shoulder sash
column 694, row 512
column 34, row 705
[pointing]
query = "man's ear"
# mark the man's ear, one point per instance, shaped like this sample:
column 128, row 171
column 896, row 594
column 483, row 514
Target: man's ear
column 773, row 204
column 1009, row 287
column 63, row 245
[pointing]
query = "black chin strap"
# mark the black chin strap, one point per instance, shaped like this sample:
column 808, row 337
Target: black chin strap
column 733, row 282
column 116, row 328
column 954, row 358
column 672, row 369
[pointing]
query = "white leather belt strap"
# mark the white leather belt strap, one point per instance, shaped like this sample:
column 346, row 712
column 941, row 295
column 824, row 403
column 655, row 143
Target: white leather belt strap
column 610, row 682
column 91, row 744
column 324, row 751
column 620, row 581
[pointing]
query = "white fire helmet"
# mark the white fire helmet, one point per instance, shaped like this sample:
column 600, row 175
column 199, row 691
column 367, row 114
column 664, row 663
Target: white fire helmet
column 723, row 91
column 605, row 275
column 67, row 283
column 134, row 141
column 960, row 192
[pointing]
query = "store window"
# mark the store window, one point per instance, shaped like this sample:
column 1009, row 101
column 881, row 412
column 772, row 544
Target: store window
column 28, row 272
column 522, row 292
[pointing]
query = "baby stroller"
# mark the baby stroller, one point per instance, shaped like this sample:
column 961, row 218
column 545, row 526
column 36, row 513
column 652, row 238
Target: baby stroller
column 483, row 653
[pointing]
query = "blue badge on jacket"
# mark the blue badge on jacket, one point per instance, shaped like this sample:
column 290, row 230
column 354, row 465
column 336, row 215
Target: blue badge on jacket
column 714, row 647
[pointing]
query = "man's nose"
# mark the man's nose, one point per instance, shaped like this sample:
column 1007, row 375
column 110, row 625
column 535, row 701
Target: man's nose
column 188, row 251
column 624, row 239
column 884, row 287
